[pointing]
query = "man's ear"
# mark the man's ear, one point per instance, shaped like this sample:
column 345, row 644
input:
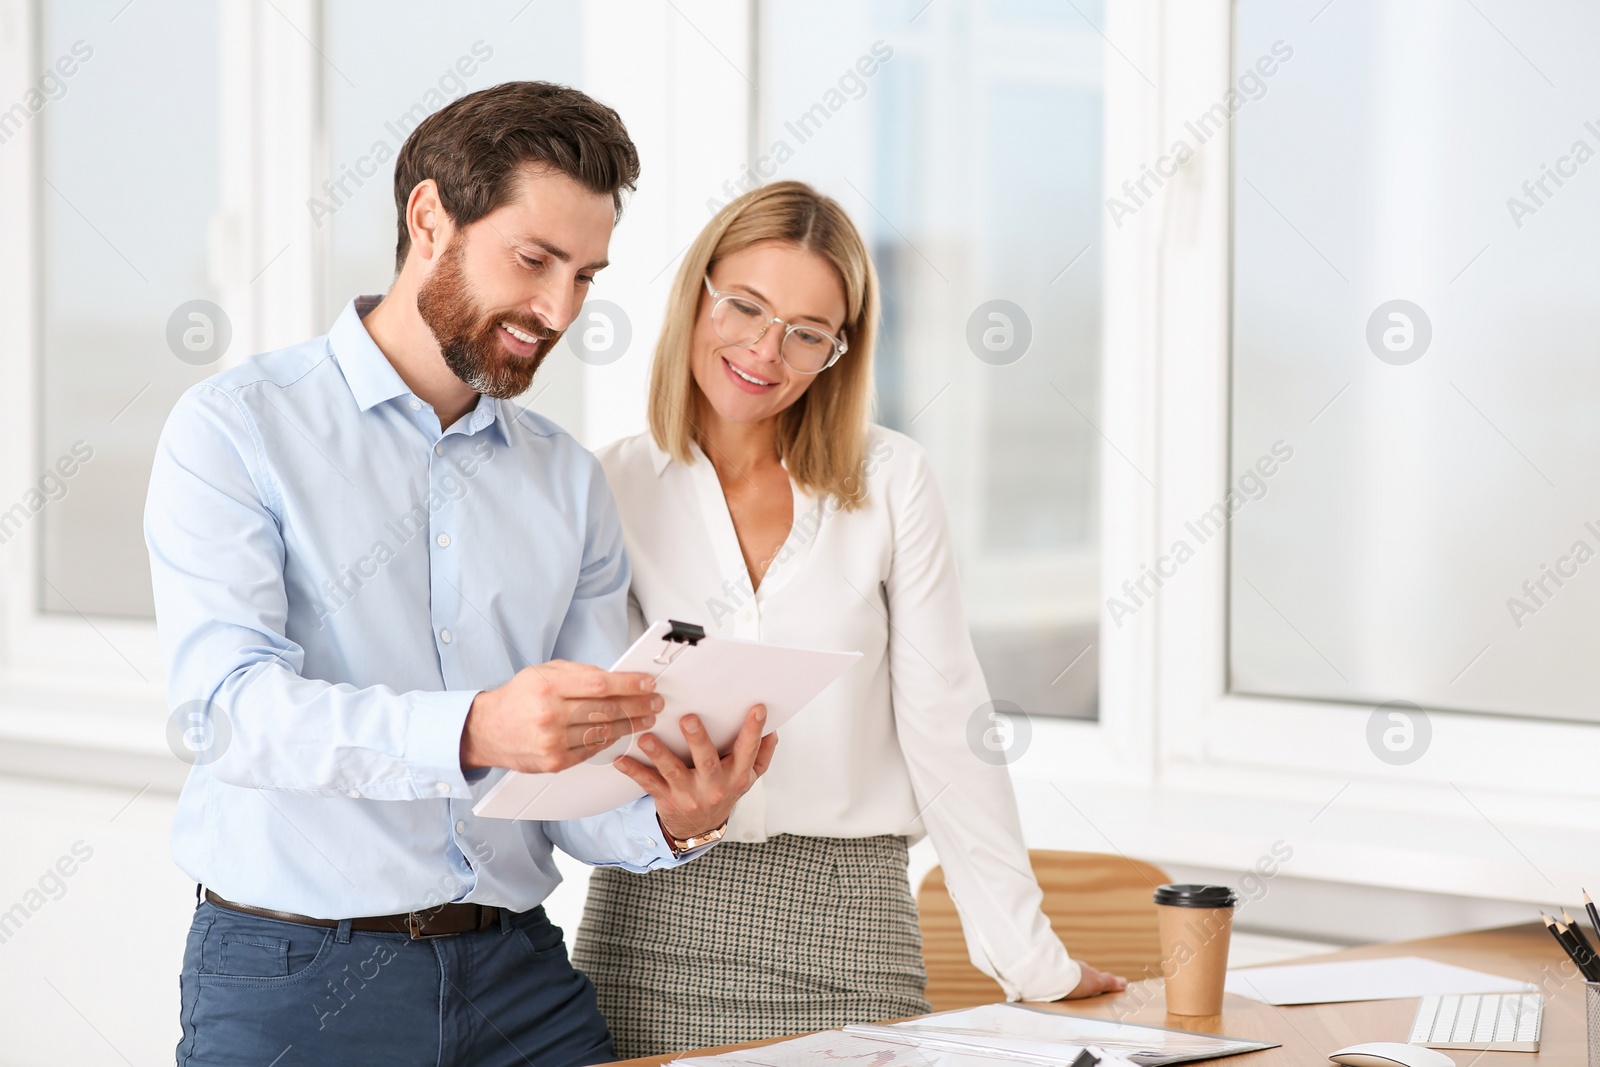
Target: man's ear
column 427, row 221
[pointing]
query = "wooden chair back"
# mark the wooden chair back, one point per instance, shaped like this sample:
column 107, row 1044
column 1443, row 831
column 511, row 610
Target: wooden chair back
column 1100, row 906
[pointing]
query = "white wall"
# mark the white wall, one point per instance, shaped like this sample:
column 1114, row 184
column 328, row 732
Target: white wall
column 91, row 977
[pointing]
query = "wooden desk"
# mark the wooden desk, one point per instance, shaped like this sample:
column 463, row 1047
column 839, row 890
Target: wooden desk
column 1309, row 1033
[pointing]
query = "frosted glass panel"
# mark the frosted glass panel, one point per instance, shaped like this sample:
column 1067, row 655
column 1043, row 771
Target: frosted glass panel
column 128, row 184
column 1415, row 314
column 966, row 141
column 384, row 78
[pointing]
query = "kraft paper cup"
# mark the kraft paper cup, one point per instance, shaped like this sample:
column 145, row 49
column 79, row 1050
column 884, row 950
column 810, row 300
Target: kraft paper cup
column 1196, row 922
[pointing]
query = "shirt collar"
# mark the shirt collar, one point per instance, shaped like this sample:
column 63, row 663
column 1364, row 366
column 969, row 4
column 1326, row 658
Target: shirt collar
column 659, row 457
column 370, row 375
column 490, row 411
column 373, row 379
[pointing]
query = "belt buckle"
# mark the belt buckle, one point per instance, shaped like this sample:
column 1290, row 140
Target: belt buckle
column 414, row 928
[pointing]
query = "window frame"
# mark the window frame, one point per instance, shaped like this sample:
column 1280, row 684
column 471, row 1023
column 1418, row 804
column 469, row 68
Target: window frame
column 72, row 681
column 1467, row 746
column 1169, row 403
column 1180, row 770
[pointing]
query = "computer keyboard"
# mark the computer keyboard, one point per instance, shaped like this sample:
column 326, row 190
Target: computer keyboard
column 1501, row 1022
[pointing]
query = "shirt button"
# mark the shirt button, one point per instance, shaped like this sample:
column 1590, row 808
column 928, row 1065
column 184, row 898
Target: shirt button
column 416, row 405
column 443, row 540
column 461, row 826
column 353, row 793
column 438, row 449
column 443, row 787
column 444, row 635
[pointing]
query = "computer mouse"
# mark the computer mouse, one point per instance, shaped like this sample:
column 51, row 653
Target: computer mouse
column 1390, row 1054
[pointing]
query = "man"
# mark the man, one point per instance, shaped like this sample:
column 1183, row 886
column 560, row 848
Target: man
column 375, row 580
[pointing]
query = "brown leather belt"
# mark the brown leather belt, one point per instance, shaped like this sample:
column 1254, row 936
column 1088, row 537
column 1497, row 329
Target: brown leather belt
column 447, row 920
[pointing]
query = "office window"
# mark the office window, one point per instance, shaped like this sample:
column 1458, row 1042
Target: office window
column 124, row 209
column 382, row 77
column 966, row 142
column 1416, row 197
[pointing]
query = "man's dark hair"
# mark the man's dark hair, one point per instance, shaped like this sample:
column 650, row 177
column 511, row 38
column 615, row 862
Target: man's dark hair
column 473, row 148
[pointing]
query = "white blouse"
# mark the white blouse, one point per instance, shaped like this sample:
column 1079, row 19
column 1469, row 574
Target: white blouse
column 884, row 750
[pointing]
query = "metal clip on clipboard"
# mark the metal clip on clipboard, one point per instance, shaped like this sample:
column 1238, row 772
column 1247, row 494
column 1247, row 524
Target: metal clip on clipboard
column 683, row 635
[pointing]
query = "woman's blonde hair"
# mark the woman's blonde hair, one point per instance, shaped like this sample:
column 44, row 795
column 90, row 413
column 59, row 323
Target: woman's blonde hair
column 821, row 436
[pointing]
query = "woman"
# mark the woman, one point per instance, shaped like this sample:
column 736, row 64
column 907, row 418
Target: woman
column 764, row 505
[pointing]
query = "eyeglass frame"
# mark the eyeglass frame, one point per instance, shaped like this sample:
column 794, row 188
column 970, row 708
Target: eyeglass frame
column 719, row 296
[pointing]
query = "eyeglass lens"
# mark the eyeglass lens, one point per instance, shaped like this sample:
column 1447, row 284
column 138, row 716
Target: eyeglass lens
column 744, row 322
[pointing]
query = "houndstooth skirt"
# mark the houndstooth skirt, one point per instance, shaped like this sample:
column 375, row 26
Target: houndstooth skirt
column 752, row 941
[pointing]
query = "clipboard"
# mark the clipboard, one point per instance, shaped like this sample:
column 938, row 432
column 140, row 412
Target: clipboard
column 717, row 678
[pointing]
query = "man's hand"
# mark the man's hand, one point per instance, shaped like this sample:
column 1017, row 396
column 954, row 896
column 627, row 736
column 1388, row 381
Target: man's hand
column 1095, row 982
column 554, row 716
column 693, row 801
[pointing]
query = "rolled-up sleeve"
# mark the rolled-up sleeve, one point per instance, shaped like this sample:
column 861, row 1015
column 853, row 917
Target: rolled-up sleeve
column 217, row 569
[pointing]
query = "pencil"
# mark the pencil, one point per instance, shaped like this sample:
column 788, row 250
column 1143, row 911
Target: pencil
column 1584, row 959
column 1594, row 913
column 1581, row 953
column 1567, row 947
column 1577, row 932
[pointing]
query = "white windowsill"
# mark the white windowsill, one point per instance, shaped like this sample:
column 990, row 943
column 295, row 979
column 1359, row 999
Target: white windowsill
column 87, row 734
column 1362, row 831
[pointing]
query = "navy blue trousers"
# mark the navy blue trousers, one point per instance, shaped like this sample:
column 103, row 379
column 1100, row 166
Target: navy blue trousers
column 277, row 994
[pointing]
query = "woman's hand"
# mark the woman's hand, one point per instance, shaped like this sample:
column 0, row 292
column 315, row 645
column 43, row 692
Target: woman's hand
column 696, row 800
column 1094, row 982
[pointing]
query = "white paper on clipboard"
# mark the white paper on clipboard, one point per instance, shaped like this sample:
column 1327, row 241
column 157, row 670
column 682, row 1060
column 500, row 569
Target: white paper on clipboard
column 717, row 678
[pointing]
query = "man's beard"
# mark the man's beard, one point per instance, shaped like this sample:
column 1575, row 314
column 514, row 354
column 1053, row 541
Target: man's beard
column 469, row 340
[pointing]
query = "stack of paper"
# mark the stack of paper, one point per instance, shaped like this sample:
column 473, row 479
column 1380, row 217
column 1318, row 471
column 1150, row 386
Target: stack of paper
column 846, row 1050
column 1038, row 1035
column 1393, row 978
column 995, row 1035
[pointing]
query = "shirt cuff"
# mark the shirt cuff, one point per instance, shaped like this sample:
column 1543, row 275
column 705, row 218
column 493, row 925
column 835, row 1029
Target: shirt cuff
column 1062, row 983
column 645, row 827
column 433, row 744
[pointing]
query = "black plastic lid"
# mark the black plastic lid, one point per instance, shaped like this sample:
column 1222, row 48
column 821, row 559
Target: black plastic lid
column 1196, row 896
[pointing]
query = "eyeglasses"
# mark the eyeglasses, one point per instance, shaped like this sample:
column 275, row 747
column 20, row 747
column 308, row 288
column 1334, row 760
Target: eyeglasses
column 739, row 320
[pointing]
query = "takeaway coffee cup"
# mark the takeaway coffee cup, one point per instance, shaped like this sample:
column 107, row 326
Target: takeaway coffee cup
column 1196, row 922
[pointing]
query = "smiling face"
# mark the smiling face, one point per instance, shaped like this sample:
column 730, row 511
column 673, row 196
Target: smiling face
column 506, row 286
column 750, row 383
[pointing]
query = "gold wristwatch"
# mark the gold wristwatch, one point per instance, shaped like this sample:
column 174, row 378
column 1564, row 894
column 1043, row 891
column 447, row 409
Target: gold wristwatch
column 683, row 845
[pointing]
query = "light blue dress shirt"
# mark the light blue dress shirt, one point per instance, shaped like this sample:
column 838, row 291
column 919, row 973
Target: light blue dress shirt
column 334, row 580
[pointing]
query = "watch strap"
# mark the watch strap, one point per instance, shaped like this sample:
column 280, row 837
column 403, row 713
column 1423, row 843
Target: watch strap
column 682, row 845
